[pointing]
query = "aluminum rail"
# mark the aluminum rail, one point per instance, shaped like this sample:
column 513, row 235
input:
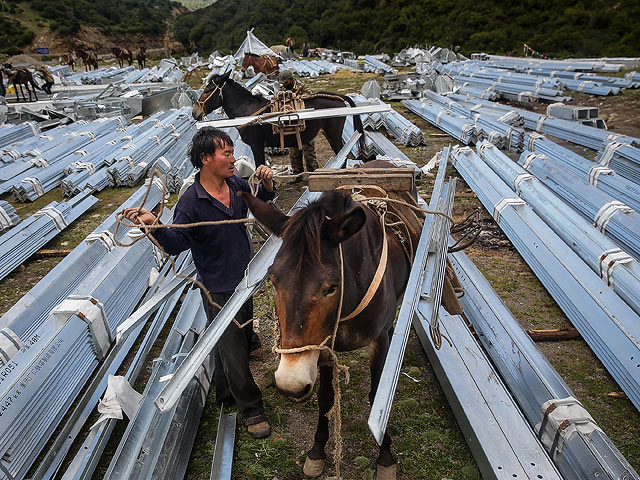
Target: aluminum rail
column 423, row 270
column 307, row 114
column 501, row 441
column 604, row 320
column 617, row 269
column 254, row 276
column 461, row 129
column 223, row 452
column 587, row 452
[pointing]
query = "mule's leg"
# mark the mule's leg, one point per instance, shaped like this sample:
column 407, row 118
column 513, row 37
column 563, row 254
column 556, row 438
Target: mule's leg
column 333, row 132
column 386, row 462
column 314, row 463
column 258, row 152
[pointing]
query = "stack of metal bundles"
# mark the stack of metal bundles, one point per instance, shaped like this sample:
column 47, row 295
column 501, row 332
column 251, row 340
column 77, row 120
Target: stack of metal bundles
column 10, row 133
column 156, row 444
column 90, row 159
column 8, row 216
column 605, row 321
column 570, row 65
column 602, row 177
column 376, row 65
column 591, row 245
column 146, row 148
column 460, row 128
column 533, row 382
column 26, row 316
column 622, row 158
column 24, row 240
column 585, row 115
column 402, row 129
column 611, row 216
column 67, row 349
column 31, row 184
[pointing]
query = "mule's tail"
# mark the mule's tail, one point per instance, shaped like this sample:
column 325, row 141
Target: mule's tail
column 357, row 125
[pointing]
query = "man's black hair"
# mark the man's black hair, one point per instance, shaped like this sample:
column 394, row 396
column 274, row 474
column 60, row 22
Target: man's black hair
column 207, row 140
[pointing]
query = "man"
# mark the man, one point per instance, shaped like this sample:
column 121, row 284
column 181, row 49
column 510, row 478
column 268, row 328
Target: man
column 221, row 254
column 287, row 82
column 45, row 74
column 290, row 43
column 305, row 49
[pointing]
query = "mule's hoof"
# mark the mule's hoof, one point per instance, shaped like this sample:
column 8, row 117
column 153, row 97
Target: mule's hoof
column 386, row 473
column 313, row 468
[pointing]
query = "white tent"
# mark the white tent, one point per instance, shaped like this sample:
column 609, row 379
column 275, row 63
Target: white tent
column 252, row 44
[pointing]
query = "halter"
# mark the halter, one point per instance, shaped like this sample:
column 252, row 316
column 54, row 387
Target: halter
column 201, row 103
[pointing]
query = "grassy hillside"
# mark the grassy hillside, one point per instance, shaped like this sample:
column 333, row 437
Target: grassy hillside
column 196, row 4
column 23, row 20
column 562, row 28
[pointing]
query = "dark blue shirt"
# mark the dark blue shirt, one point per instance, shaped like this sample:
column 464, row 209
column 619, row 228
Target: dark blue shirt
column 221, row 253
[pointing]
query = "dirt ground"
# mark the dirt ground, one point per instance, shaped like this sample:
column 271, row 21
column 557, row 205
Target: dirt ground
column 427, row 440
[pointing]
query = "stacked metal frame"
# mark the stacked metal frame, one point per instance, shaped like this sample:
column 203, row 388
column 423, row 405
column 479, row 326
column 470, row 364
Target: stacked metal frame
column 618, row 269
column 601, row 177
column 608, row 325
column 90, row 396
column 19, row 243
column 611, row 216
column 502, row 443
column 147, row 448
column 376, row 65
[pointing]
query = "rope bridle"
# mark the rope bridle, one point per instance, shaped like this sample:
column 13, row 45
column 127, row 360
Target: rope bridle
column 201, row 103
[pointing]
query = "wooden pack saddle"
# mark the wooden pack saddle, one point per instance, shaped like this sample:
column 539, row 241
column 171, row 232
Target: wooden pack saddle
column 288, row 103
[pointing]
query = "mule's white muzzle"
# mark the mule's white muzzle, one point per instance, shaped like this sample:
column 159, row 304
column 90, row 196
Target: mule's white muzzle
column 297, row 373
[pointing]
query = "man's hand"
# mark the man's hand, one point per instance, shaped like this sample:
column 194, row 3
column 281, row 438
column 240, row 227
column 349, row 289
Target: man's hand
column 140, row 216
column 265, row 175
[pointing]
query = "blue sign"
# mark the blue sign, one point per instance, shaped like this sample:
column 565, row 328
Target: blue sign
column 42, row 50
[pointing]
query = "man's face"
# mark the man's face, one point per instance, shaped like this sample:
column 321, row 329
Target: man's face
column 288, row 84
column 221, row 163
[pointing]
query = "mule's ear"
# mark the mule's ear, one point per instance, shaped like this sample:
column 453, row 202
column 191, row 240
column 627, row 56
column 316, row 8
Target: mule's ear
column 344, row 226
column 225, row 76
column 266, row 213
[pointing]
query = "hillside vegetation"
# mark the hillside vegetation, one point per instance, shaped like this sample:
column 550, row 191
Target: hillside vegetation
column 22, row 21
column 562, row 28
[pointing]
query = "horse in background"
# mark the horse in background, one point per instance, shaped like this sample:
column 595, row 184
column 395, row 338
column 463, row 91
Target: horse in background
column 141, row 56
column 69, row 59
column 237, row 101
column 88, row 59
column 267, row 64
column 122, row 55
column 20, row 77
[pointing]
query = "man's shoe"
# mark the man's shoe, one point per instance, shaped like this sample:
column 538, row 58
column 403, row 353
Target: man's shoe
column 259, row 430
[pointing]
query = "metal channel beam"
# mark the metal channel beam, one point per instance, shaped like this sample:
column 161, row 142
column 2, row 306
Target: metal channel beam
column 254, row 276
column 307, row 114
column 381, row 407
column 223, row 453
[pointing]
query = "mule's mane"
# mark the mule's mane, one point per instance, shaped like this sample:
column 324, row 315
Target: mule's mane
column 302, row 233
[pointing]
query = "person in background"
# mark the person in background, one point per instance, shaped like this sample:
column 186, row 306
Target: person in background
column 305, row 49
column 45, row 74
column 287, row 82
column 290, row 43
column 221, row 254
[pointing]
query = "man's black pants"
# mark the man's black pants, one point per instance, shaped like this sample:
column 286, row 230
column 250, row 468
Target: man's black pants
column 232, row 376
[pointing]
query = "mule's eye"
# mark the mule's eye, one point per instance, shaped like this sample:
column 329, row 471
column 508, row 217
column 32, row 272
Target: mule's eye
column 330, row 290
